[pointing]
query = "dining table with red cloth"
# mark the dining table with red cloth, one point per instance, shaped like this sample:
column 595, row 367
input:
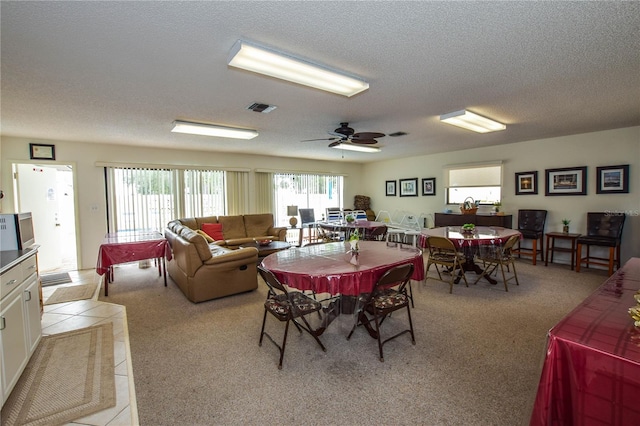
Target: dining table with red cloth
column 470, row 243
column 124, row 247
column 329, row 268
column 591, row 371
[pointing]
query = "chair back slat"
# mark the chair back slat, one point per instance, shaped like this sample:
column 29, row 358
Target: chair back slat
column 440, row 243
column 398, row 275
column 272, row 282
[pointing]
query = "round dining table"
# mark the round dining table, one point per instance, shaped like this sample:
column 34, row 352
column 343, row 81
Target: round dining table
column 470, row 243
column 333, row 268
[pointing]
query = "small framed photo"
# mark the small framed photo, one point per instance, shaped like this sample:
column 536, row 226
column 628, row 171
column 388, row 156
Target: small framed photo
column 42, row 152
column 566, row 181
column 612, row 179
column 527, row 183
column 409, row 187
column 429, row 186
column 390, row 189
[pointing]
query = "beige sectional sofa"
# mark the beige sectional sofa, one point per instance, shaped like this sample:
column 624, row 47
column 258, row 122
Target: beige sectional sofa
column 205, row 271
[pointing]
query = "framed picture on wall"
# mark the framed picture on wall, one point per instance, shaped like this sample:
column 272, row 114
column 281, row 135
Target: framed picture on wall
column 409, row 187
column 612, row 179
column 527, row 183
column 390, row 189
column 566, row 181
column 42, row 152
column 429, row 186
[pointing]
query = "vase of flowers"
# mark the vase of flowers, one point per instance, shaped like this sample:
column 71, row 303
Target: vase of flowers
column 565, row 225
column 353, row 241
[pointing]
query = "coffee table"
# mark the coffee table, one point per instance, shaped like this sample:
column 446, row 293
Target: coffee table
column 272, row 247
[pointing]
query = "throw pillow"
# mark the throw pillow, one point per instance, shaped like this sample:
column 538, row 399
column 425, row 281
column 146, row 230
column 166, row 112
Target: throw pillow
column 214, row 230
column 205, row 235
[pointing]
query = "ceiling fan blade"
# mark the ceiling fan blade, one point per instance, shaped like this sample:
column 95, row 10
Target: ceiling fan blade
column 323, row 139
column 364, row 141
column 367, row 135
column 336, row 143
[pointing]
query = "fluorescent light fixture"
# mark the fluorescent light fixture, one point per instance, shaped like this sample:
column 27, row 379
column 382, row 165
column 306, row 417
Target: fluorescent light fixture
column 359, row 148
column 470, row 121
column 252, row 57
column 212, row 130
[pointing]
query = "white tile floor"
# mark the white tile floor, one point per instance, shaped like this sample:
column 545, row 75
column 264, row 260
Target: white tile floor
column 63, row 317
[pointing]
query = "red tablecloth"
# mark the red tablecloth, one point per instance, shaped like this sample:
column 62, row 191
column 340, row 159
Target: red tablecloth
column 591, row 373
column 326, row 268
column 131, row 247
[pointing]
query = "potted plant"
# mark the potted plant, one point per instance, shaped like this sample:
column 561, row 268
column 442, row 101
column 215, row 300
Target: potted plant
column 353, row 241
column 350, row 218
column 565, row 225
column 496, row 206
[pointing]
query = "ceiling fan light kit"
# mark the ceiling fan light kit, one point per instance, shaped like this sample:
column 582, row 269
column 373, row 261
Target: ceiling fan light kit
column 205, row 129
column 267, row 61
column 470, row 121
column 353, row 147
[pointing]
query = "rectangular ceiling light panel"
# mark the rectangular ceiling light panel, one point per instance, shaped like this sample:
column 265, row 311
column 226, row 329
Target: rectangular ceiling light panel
column 359, row 148
column 280, row 65
column 204, row 129
column 470, row 121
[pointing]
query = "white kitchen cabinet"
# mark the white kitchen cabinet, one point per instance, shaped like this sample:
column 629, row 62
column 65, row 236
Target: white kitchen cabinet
column 20, row 326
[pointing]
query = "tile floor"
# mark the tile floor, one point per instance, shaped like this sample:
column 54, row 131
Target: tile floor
column 63, row 317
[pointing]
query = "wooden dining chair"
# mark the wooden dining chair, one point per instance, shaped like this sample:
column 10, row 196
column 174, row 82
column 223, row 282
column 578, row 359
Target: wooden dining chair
column 443, row 253
column 377, row 234
column 388, row 295
column 502, row 256
column 603, row 230
column 287, row 306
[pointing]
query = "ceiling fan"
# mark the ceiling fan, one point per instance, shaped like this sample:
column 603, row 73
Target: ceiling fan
column 344, row 133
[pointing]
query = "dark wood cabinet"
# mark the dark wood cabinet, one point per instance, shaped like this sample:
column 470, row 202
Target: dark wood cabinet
column 458, row 219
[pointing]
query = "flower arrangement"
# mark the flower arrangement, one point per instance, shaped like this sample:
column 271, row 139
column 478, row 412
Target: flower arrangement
column 350, row 218
column 353, row 241
column 635, row 311
column 565, row 225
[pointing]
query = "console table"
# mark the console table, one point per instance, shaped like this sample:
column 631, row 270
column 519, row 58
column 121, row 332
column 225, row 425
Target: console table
column 459, row 219
column 551, row 245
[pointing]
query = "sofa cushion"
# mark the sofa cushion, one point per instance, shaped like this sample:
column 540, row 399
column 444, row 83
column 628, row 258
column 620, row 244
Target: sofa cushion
column 214, row 230
column 198, row 241
column 258, row 224
column 232, row 227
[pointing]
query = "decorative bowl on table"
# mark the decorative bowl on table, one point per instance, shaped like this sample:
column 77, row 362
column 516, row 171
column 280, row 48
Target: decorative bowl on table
column 467, row 228
column 264, row 243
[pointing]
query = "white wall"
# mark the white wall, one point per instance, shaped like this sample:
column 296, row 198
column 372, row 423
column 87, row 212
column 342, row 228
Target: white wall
column 607, row 148
column 613, row 147
column 90, row 178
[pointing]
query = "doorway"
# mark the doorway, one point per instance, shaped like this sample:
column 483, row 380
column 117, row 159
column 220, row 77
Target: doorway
column 48, row 192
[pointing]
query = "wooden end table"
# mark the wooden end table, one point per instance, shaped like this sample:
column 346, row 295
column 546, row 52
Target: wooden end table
column 551, row 241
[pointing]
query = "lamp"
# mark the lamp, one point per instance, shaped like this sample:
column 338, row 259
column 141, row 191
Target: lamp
column 470, row 121
column 293, row 212
column 262, row 60
column 354, row 147
column 212, row 130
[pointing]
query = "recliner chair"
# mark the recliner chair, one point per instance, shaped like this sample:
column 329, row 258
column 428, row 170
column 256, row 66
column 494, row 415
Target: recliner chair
column 604, row 230
column 531, row 226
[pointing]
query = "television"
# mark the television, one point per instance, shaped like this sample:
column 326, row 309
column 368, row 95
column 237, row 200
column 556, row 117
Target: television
column 16, row 231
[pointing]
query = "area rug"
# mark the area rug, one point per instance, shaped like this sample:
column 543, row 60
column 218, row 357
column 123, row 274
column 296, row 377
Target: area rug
column 55, row 279
column 69, row 376
column 71, row 293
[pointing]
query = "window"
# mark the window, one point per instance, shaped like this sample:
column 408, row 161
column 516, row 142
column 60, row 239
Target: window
column 146, row 199
column 481, row 182
column 305, row 191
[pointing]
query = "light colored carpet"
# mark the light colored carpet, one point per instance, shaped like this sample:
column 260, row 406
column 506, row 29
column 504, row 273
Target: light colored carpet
column 71, row 293
column 476, row 361
column 70, row 375
column 55, row 279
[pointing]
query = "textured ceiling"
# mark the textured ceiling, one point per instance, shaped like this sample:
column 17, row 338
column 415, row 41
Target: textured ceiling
column 121, row 72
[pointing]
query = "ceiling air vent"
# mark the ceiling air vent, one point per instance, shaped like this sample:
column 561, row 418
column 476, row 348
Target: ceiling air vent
column 398, row 134
column 263, row 108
